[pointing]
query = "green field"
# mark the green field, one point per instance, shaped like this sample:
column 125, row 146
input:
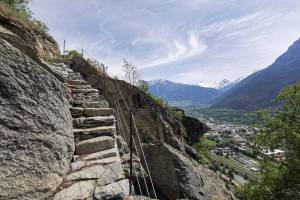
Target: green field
column 223, row 115
column 235, row 165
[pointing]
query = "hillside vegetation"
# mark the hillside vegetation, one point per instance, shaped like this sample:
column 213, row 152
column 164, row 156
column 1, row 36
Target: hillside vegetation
column 18, row 10
column 280, row 131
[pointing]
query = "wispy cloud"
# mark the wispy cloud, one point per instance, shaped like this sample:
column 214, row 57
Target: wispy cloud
column 173, row 39
column 176, row 50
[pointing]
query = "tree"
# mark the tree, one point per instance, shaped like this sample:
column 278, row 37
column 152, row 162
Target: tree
column 131, row 72
column 231, row 173
column 281, row 129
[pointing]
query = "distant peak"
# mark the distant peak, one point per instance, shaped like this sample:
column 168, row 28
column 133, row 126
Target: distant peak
column 158, row 81
column 164, row 81
column 217, row 85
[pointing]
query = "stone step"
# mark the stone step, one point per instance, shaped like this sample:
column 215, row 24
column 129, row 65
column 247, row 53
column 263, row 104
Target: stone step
column 77, row 165
column 85, row 134
column 94, row 145
column 74, row 73
column 89, row 122
column 97, row 130
column 90, row 112
column 86, row 97
column 77, row 82
column 116, row 190
column 73, row 77
column 80, row 86
column 95, row 104
column 91, row 104
column 104, row 174
column 98, row 155
column 84, row 91
column 77, row 190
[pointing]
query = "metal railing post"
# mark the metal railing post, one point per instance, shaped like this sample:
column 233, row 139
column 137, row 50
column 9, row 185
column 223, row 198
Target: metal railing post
column 131, row 150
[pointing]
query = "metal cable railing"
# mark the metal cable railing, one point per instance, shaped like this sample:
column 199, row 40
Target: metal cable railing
column 118, row 109
column 135, row 146
column 139, row 141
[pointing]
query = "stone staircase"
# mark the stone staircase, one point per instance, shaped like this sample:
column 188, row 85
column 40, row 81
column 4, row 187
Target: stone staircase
column 96, row 171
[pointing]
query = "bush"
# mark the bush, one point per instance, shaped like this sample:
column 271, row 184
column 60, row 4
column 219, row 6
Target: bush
column 143, row 85
column 71, row 54
column 41, row 26
column 158, row 100
column 19, row 7
column 177, row 114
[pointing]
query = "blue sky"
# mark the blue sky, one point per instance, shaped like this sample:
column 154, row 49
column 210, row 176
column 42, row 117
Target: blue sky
column 189, row 41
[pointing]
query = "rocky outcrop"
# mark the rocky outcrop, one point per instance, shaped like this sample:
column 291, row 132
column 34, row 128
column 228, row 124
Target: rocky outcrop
column 194, row 129
column 179, row 177
column 96, row 171
column 32, row 43
column 176, row 174
column 29, row 40
column 37, row 142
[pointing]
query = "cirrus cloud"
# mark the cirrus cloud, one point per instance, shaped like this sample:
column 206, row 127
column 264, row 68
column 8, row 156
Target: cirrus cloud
column 188, row 41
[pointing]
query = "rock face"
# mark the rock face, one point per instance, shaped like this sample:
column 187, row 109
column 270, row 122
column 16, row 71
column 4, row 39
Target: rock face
column 37, row 142
column 37, row 46
column 178, row 177
column 194, row 129
column 96, row 171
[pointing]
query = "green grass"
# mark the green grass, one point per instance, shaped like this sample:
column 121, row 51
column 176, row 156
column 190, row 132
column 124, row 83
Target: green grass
column 224, row 115
column 203, row 148
column 236, row 166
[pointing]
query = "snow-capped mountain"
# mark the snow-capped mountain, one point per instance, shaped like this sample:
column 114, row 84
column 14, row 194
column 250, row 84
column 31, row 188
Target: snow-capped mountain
column 219, row 85
column 172, row 91
column 204, row 93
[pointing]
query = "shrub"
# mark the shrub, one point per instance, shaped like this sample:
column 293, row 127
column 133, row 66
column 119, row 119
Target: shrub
column 143, row 85
column 41, row 26
column 19, row 7
column 158, row 100
column 71, row 54
column 177, row 114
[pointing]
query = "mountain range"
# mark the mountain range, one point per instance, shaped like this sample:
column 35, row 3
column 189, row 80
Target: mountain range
column 172, row 91
column 224, row 84
column 259, row 90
